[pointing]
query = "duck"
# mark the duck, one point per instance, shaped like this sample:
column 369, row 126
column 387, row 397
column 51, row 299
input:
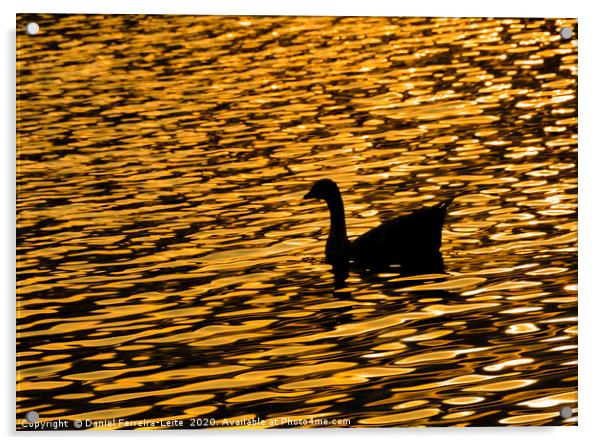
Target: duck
column 409, row 244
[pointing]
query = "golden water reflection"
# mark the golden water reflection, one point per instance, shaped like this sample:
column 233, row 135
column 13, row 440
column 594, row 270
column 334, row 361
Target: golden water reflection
column 167, row 266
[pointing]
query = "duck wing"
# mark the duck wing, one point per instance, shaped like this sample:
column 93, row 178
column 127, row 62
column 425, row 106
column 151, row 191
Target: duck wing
column 410, row 241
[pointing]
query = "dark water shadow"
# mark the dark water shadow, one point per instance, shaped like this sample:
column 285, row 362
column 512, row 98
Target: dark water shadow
column 423, row 265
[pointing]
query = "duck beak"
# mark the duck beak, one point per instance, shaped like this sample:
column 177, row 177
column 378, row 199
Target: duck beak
column 308, row 195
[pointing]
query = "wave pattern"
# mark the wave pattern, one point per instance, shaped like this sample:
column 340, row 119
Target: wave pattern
column 167, row 267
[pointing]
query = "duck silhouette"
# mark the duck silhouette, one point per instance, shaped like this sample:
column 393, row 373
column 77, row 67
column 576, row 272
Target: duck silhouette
column 408, row 244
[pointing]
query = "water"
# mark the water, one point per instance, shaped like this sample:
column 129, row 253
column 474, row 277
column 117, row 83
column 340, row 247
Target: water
column 167, row 267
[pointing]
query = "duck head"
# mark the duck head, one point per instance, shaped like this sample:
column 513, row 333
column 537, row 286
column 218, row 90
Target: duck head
column 325, row 189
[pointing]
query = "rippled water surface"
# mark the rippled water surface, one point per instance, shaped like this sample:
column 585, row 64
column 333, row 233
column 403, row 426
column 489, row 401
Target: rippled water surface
column 168, row 268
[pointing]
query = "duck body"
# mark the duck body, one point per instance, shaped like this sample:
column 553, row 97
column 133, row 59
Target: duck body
column 409, row 244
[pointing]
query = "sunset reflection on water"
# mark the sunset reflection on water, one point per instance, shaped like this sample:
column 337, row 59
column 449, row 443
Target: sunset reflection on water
column 167, row 267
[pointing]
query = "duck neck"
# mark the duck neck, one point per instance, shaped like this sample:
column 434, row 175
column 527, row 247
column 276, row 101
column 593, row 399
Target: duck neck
column 337, row 217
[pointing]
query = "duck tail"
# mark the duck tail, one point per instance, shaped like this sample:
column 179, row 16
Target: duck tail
column 445, row 204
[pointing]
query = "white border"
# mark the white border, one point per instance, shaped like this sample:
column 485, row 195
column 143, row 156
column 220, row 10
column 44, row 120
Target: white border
column 506, row 8
column 590, row 203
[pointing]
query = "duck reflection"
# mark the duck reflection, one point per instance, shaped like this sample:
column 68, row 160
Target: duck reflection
column 408, row 244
